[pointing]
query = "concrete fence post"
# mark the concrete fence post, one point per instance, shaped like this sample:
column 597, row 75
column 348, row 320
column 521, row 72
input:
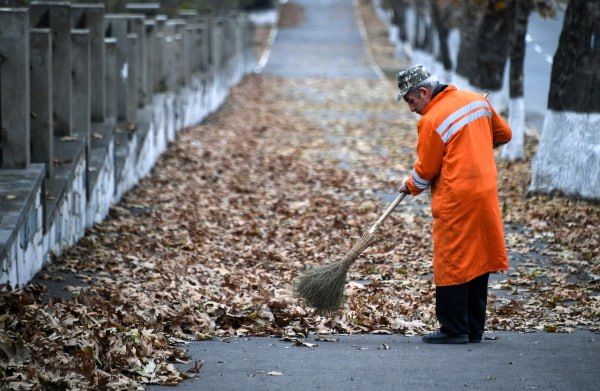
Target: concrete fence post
column 205, row 47
column 132, row 78
column 247, row 50
column 196, row 47
column 80, row 66
column 217, row 44
column 250, row 56
column 174, row 31
column 246, row 43
column 111, row 75
column 91, row 17
column 149, row 54
column 119, row 26
column 236, row 26
column 42, row 140
column 57, row 17
column 189, row 18
column 180, row 54
column 160, row 78
column 168, row 62
column 188, row 49
column 139, row 29
column 230, row 41
column 14, row 88
column 233, row 28
column 242, row 33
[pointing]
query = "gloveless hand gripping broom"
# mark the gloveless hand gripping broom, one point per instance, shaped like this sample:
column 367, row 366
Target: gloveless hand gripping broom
column 322, row 287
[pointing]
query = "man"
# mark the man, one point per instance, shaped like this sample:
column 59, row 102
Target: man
column 456, row 136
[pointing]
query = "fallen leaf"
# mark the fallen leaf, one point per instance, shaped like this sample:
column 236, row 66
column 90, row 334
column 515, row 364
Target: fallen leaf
column 197, row 366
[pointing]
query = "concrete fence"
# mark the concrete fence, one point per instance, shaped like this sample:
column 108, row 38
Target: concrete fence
column 88, row 102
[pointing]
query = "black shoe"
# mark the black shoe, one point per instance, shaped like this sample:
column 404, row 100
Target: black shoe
column 439, row 337
column 475, row 338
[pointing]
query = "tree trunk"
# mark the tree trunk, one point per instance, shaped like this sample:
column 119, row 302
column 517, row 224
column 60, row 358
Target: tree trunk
column 516, row 106
column 568, row 156
column 492, row 46
column 522, row 9
column 440, row 18
column 421, row 37
column 403, row 46
column 399, row 18
column 576, row 66
column 469, row 27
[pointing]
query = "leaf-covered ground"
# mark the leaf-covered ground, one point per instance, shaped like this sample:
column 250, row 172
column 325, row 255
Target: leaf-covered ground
column 288, row 174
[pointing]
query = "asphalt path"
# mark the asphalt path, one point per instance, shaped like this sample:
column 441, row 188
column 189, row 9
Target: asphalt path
column 510, row 361
column 328, row 44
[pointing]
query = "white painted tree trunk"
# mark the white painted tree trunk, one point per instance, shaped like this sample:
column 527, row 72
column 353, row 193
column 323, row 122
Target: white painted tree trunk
column 568, row 155
column 515, row 150
column 393, row 34
column 403, row 51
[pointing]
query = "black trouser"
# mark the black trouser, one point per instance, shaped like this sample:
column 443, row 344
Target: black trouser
column 460, row 309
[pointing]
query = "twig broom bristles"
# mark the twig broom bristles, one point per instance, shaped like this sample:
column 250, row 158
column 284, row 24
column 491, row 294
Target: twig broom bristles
column 322, row 287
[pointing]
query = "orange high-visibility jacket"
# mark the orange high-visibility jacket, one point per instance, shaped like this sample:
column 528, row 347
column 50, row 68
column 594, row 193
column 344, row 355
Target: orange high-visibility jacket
column 457, row 133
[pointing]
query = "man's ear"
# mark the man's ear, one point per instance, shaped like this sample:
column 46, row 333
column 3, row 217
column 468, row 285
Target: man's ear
column 425, row 92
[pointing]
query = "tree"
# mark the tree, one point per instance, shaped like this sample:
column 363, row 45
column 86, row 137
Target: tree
column 516, row 106
column 399, row 17
column 469, row 25
column 440, row 15
column 423, row 37
column 568, row 155
column 403, row 48
column 492, row 47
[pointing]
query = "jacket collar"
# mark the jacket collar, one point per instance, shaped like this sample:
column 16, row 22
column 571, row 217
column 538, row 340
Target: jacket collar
column 438, row 96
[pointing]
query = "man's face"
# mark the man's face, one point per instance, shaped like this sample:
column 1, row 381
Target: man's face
column 417, row 100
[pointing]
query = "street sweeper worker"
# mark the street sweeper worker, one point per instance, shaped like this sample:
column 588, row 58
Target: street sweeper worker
column 457, row 132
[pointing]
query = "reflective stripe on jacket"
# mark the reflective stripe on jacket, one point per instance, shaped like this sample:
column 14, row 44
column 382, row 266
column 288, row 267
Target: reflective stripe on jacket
column 456, row 135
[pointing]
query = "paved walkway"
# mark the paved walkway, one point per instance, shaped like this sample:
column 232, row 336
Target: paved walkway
column 539, row 361
column 328, row 44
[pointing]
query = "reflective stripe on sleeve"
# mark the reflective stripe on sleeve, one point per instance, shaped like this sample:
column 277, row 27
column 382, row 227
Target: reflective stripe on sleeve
column 461, row 117
column 419, row 182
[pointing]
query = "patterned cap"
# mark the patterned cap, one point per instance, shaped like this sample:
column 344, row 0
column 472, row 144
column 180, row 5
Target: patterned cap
column 410, row 77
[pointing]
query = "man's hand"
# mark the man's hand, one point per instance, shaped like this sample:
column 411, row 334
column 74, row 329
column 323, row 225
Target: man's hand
column 404, row 187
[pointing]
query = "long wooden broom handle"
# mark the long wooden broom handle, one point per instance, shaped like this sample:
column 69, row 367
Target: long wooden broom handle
column 387, row 212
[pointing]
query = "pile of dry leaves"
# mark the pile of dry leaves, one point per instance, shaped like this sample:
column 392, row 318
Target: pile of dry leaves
column 210, row 243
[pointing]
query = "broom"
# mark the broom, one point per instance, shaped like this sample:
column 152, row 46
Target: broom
column 322, row 287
